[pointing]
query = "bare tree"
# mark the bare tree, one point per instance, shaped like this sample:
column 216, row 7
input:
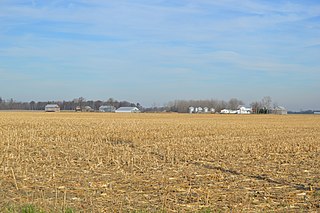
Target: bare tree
column 256, row 106
column 110, row 102
column 32, row 105
column 234, row 103
column 266, row 103
column 81, row 100
column 97, row 104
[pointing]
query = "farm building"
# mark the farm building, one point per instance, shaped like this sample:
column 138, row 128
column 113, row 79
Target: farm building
column 279, row 110
column 107, row 109
column 191, row 109
column 52, row 108
column 200, row 110
column 128, row 110
column 228, row 111
column 88, row 109
column 225, row 111
column 244, row 110
column 78, row 109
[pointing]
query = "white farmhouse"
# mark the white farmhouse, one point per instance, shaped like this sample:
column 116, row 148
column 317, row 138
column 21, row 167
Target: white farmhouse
column 191, row 109
column 244, row 110
column 228, row 111
column 225, row 111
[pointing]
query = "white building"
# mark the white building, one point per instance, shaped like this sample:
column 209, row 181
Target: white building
column 127, row 110
column 280, row 110
column 191, row 109
column 88, row 109
column 225, row 111
column 201, row 110
column 107, row 109
column 52, row 108
column 244, row 110
column 228, row 111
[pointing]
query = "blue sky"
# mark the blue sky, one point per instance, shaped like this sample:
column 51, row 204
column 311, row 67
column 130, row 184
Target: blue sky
column 154, row 51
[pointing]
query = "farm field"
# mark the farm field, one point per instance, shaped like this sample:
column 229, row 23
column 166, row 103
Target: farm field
column 103, row 162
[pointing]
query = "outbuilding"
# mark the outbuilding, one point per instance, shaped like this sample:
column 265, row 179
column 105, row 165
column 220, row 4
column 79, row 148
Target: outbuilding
column 228, row 111
column 88, row 109
column 280, row 110
column 107, row 109
column 78, row 109
column 225, row 111
column 191, row 109
column 127, row 110
column 244, row 110
column 52, row 108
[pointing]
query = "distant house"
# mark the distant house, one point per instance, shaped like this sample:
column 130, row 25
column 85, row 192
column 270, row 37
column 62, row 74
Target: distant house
column 52, row 108
column 200, row 110
column 212, row 110
column 107, row 109
column 127, row 110
column 244, row 110
column 88, row 109
column 316, row 113
column 191, row 109
column 280, row 110
column 228, row 111
column 225, row 111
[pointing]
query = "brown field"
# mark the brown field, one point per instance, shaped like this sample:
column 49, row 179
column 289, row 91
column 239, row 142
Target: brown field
column 100, row 162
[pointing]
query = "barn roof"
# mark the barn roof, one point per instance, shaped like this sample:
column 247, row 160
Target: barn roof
column 280, row 108
column 52, row 105
column 106, row 107
column 127, row 108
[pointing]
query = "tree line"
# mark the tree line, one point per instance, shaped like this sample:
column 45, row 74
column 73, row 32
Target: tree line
column 263, row 106
column 181, row 106
column 64, row 105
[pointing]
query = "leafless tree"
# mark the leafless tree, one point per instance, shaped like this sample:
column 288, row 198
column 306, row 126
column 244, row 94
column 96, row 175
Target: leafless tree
column 256, row 106
column 234, row 103
column 266, row 103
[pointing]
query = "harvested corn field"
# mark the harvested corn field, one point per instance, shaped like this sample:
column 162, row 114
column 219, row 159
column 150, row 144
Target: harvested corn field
column 99, row 162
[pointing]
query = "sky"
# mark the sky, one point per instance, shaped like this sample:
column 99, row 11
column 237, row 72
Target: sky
column 155, row 51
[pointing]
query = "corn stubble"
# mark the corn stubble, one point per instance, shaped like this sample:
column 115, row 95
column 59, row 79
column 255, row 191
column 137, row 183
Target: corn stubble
column 96, row 162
